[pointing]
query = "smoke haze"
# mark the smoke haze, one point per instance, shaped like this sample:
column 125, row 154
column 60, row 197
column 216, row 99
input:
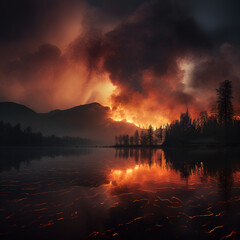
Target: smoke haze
column 146, row 60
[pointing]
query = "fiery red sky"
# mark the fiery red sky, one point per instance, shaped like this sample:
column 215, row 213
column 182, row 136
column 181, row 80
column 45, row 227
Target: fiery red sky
column 146, row 60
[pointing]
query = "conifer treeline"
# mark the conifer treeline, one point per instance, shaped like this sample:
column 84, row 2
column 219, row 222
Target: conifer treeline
column 218, row 128
column 205, row 129
column 147, row 137
column 16, row 136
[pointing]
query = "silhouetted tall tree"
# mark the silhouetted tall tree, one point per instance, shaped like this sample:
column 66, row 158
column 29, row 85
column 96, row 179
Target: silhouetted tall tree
column 120, row 140
column 126, row 140
column 150, row 135
column 217, row 129
column 159, row 135
column 224, row 102
column 136, row 138
column 185, row 119
column 143, row 138
column 203, row 118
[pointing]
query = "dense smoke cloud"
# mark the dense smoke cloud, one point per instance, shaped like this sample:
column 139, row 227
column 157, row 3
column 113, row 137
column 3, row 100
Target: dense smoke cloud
column 148, row 60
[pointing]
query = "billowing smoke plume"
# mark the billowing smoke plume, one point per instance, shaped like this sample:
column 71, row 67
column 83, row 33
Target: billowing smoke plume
column 148, row 60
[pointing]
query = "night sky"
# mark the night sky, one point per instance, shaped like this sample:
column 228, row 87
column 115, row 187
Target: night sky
column 146, row 60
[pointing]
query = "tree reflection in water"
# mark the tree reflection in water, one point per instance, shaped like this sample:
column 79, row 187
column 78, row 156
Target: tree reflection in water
column 138, row 194
column 176, row 194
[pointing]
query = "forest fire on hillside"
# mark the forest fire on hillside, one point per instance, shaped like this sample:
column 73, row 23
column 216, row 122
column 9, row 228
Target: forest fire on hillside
column 139, row 117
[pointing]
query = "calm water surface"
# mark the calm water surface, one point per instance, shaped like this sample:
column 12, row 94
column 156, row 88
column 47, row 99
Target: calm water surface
column 119, row 194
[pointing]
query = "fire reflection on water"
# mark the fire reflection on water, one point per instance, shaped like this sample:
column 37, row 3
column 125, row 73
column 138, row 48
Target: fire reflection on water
column 155, row 197
column 153, row 170
column 139, row 194
column 141, row 174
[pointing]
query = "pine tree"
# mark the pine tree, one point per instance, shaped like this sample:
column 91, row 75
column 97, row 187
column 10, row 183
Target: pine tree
column 126, row 140
column 136, row 138
column 150, row 135
column 224, row 102
column 120, row 140
column 143, row 138
column 159, row 135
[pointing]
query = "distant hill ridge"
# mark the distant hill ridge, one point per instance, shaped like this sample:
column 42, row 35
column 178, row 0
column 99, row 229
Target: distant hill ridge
column 8, row 108
column 89, row 121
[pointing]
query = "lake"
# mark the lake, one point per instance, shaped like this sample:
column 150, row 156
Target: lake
column 106, row 193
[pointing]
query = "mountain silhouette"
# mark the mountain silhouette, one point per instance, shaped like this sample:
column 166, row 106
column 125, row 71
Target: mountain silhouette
column 91, row 121
column 11, row 109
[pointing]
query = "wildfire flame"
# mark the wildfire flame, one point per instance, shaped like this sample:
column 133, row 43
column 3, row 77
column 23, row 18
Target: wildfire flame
column 123, row 116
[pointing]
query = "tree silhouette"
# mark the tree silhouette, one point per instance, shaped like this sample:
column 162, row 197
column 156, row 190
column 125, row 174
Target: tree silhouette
column 126, row 140
column 143, row 138
column 150, row 135
column 203, row 118
column 15, row 136
column 159, row 135
column 185, row 119
column 215, row 129
column 136, row 138
column 120, row 140
column 224, row 102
